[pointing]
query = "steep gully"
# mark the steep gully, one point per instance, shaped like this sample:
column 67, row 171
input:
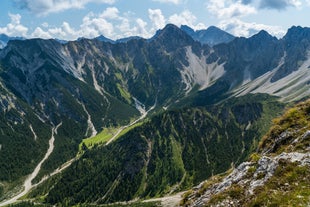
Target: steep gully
column 28, row 182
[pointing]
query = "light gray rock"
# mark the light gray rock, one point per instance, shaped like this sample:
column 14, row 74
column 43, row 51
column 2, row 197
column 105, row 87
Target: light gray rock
column 265, row 169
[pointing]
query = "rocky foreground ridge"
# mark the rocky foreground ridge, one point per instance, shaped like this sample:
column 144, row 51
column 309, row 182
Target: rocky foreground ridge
column 278, row 174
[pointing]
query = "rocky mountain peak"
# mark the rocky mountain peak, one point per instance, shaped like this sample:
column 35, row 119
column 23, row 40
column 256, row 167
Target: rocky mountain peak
column 263, row 35
column 216, row 30
column 4, row 39
column 127, row 39
column 104, row 39
column 188, row 30
column 172, row 31
column 172, row 38
column 210, row 36
column 297, row 33
column 30, row 51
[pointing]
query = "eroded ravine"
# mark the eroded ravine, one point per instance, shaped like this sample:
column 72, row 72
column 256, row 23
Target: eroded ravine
column 28, row 182
column 28, row 185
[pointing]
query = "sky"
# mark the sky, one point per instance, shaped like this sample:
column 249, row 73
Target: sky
column 115, row 19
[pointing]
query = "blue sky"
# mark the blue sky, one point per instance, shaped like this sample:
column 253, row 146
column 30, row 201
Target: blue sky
column 70, row 19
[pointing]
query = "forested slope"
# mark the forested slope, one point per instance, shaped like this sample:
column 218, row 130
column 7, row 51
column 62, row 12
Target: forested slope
column 167, row 153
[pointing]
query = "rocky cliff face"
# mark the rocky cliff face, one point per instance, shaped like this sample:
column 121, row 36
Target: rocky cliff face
column 165, row 68
column 278, row 174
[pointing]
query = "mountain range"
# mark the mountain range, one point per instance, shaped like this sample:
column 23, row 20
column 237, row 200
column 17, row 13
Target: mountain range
column 160, row 114
column 4, row 39
column 210, row 36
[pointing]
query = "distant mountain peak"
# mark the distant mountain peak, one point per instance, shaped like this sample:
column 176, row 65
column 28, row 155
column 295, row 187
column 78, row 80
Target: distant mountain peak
column 214, row 28
column 126, row 39
column 4, row 39
column 170, row 29
column 297, row 32
column 295, row 29
column 263, row 35
column 171, row 26
column 104, row 39
column 172, row 36
column 263, row 32
column 187, row 29
column 211, row 36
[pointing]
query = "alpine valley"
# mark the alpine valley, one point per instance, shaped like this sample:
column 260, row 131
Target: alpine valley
column 137, row 122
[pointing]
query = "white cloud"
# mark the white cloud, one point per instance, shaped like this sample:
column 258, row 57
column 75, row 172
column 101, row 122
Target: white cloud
column 14, row 28
column 64, row 32
column 231, row 12
column 157, row 18
column 112, row 24
column 245, row 29
column 110, row 13
column 94, row 26
column 67, row 29
column 45, row 24
column 229, row 8
column 169, row 1
column 57, row 32
column 44, row 7
column 141, row 28
column 295, row 3
column 40, row 33
column 186, row 18
column 124, row 26
column 137, row 28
